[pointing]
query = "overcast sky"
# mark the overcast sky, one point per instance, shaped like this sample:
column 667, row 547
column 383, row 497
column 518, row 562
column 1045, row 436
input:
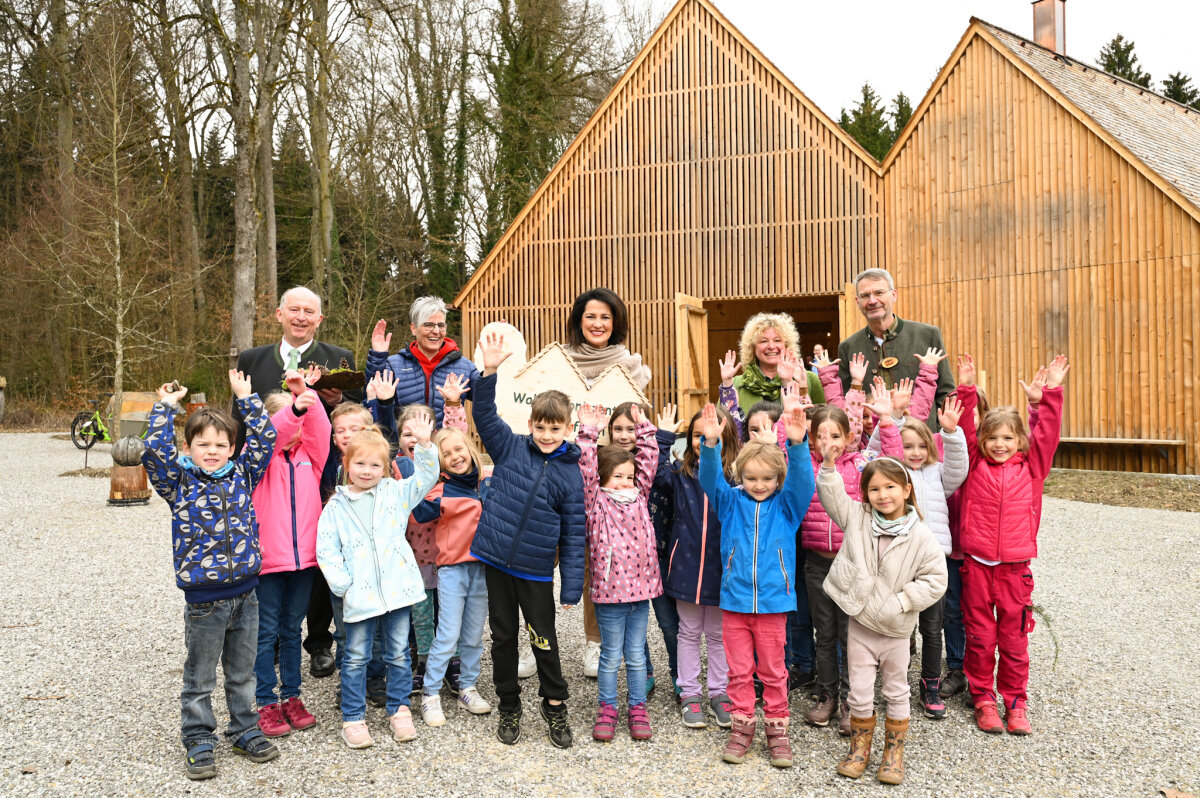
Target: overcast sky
column 828, row 48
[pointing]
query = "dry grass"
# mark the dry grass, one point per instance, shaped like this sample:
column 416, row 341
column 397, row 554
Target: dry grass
column 1123, row 489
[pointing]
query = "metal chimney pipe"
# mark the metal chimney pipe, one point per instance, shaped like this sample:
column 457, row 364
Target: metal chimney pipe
column 1050, row 24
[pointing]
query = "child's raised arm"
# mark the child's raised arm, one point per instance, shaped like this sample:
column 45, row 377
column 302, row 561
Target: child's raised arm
column 831, row 490
column 799, row 484
column 1043, row 439
column 955, row 462
column 925, row 390
column 590, row 420
column 712, row 476
column 646, row 455
column 160, row 458
column 727, row 394
column 497, row 437
column 260, row 435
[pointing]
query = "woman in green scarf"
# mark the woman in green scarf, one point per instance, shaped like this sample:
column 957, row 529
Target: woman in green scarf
column 770, row 352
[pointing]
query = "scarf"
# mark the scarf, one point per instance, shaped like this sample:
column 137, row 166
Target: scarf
column 622, row 496
column 428, row 364
column 754, row 382
column 900, row 527
column 189, row 464
column 593, row 362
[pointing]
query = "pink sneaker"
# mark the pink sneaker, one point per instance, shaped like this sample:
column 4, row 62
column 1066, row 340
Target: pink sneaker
column 297, row 714
column 402, row 725
column 356, row 734
column 639, row 723
column 1017, row 722
column 987, row 718
column 606, row 723
column 270, row 720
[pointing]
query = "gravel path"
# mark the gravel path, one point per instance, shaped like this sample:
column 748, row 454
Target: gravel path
column 91, row 661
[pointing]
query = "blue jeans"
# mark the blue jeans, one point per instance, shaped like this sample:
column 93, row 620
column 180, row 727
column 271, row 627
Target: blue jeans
column 282, row 604
column 375, row 668
column 223, row 631
column 462, row 612
column 800, row 646
column 360, row 637
column 668, row 623
column 623, row 632
column 952, row 620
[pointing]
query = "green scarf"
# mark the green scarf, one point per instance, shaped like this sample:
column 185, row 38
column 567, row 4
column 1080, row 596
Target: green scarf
column 754, row 382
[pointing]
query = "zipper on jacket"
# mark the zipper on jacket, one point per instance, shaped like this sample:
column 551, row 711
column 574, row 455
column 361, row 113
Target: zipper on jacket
column 704, row 548
column 671, row 560
column 787, row 583
column 292, row 486
column 754, row 560
column 228, row 528
column 525, row 516
column 829, row 532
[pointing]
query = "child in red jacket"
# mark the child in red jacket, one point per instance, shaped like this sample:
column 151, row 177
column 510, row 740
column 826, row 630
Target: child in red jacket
column 1001, row 511
column 287, row 502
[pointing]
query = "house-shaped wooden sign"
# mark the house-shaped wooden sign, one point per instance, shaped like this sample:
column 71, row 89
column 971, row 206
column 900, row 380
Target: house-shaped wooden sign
column 551, row 369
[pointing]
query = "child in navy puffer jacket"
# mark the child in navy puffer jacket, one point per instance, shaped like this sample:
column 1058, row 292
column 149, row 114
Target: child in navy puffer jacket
column 758, row 548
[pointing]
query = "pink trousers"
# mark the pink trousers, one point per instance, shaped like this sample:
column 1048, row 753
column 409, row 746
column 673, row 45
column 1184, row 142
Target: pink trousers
column 762, row 637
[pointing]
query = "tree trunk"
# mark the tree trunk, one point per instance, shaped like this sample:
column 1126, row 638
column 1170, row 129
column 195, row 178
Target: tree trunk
column 60, row 349
column 321, row 228
column 245, row 217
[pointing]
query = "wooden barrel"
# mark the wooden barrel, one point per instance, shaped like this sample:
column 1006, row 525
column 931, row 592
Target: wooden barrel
column 128, row 485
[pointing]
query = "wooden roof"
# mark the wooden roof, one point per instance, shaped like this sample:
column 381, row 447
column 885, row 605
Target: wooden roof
column 1160, row 137
column 670, row 31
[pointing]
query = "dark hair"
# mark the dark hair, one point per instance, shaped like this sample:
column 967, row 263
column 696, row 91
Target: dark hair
column 622, row 410
column 894, row 470
column 832, row 413
column 206, row 417
column 620, row 320
column 772, row 409
column 730, row 445
column 550, row 407
column 608, row 458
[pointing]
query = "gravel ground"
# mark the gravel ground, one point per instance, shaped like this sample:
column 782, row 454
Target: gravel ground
column 91, row 656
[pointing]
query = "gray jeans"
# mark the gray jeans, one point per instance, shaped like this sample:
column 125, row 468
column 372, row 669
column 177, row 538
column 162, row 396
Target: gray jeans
column 223, row 631
column 829, row 625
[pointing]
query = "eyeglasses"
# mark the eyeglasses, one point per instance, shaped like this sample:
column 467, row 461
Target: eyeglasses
column 430, row 326
column 880, row 294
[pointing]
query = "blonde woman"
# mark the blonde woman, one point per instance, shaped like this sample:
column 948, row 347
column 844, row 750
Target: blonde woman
column 770, row 359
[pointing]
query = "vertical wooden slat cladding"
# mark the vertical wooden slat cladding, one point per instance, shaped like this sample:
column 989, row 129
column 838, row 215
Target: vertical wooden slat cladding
column 698, row 174
column 1022, row 233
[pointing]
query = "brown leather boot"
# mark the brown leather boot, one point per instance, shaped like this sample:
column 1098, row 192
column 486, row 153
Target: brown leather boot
column 891, row 769
column 779, row 747
column 862, row 731
column 741, row 735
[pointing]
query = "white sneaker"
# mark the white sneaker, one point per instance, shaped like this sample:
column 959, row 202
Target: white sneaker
column 591, row 660
column 431, row 711
column 473, row 702
column 526, row 665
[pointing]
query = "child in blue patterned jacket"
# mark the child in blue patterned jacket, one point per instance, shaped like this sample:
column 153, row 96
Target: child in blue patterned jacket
column 217, row 560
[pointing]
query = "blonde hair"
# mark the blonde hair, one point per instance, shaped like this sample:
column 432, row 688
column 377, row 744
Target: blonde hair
column 409, row 412
column 370, row 440
column 999, row 417
column 346, row 408
column 450, row 433
column 758, row 324
column 922, row 431
column 769, row 454
column 276, row 401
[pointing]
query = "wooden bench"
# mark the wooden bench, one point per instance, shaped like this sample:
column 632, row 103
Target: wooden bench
column 1160, row 444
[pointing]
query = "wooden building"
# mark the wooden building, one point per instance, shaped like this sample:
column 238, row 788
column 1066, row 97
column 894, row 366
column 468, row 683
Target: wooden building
column 1032, row 205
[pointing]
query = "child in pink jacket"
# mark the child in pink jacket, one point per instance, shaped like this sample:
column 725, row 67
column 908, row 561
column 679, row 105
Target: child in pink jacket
column 622, row 560
column 287, row 502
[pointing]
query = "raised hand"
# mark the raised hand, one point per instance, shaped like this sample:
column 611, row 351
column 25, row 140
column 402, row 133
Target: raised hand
column 821, row 357
column 966, row 370
column 730, row 366
column 711, row 426
column 592, row 415
column 858, row 368
column 381, row 339
column 312, row 374
column 240, row 384
column 797, row 424
column 932, row 357
column 901, row 396
column 453, row 388
column 788, row 366
column 304, row 401
column 950, row 413
column 881, row 402
column 492, row 350
column 667, row 417
column 384, row 383
column 1033, row 390
column 421, row 428
column 790, row 396
column 295, row 382
column 1056, row 372
column 635, row 414
column 171, row 393
column 764, row 434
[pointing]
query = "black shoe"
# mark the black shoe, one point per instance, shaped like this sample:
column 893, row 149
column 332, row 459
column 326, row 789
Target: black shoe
column 758, row 689
column 419, row 678
column 509, row 730
column 953, row 683
column 201, row 764
column 377, row 691
column 800, row 680
column 453, row 671
column 560, row 725
column 321, row 663
column 255, row 746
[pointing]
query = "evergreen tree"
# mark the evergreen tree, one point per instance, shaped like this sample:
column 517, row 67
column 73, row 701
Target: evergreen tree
column 867, row 123
column 1179, row 88
column 1117, row 58
column 901, row 113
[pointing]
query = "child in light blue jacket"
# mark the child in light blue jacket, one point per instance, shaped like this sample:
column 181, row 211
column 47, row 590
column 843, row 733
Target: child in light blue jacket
column 366, row 560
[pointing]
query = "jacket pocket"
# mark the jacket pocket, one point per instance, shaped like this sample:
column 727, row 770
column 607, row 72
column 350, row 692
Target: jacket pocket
column 787, row 583
column 671, row 559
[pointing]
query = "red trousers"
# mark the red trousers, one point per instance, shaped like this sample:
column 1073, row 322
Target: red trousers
column 997, row 609
column 747, row 637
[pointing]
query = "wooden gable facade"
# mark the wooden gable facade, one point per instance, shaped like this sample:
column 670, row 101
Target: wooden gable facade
column 1022, row 210
column 705, row 180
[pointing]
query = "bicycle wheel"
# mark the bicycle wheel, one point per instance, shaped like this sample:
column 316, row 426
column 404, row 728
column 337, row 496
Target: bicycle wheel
column 83, row 431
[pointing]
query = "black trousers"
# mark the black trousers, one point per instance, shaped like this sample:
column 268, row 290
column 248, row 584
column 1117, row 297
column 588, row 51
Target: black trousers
column 930, row 624
column 830, row 625
column 320, row 616
column 506, row 595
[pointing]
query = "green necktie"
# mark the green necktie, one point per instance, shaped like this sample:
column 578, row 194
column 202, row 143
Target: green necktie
column 293, row 360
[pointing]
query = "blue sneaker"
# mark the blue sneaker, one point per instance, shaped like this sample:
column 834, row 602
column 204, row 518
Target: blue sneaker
column 200, row 761
column 255, row 746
